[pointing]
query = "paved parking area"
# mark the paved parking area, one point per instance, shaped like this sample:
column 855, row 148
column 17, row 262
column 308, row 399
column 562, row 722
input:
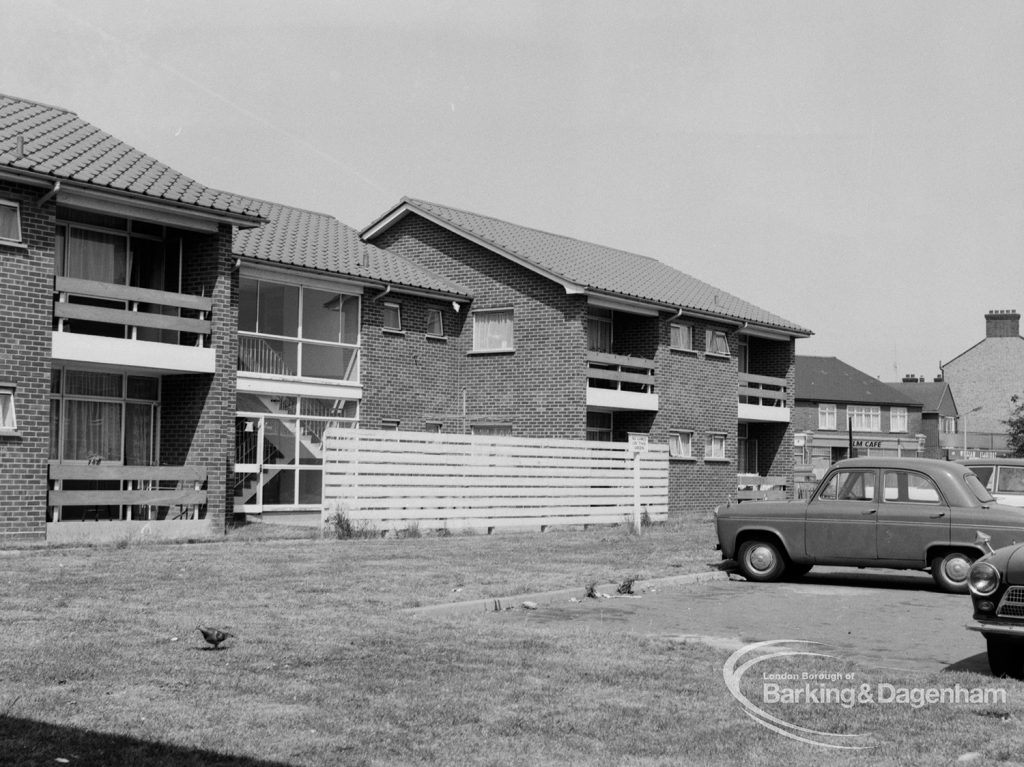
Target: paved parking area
column 877, row 618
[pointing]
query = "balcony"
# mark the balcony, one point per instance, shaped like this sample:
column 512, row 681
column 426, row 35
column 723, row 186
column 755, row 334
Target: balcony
column 131, row 327
column 763, row 399
column 618, row 382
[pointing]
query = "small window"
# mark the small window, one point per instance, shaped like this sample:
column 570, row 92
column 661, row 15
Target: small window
column 392, row 317
column 681, row 337
column 492, row 331
column 435, row 322
column 827, row 417
column 865, row 418
column 680, row 444
column 388, row 424
column 432, row 427
column 898, row 419
column 717, row 343
column 908, row 487
column 10, row 221
column 491, row 429
column 714, row 447
column 599, row 426
column 7, row 419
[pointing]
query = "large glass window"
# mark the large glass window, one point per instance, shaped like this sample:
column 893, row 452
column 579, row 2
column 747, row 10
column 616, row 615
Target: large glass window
column 599, row 426
column 290, row 330
column 599, row 330
column 103, row 417
column 493, row 331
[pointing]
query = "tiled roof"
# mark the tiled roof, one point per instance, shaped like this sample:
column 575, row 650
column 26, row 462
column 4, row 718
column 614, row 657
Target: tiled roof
column 929, row 393
column 318, row 241
column 54, row 142
column 601, row 268
column 827, row 379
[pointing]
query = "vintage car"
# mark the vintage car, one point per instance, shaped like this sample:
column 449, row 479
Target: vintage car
column 1003, row 477
column 905, row 513
column 997, row 591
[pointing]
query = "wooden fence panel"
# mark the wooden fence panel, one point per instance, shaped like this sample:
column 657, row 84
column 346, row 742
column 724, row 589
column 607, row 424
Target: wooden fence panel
column 393, row 480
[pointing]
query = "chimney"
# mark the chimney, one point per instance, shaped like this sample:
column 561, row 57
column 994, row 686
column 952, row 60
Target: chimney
column 912, row 378
column 1002, row 323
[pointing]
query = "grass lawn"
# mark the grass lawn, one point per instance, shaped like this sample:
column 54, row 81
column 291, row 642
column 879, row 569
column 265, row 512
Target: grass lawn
column 102, row 664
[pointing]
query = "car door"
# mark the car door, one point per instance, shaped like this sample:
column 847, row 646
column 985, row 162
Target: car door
column 911, row 516
column 840, row 522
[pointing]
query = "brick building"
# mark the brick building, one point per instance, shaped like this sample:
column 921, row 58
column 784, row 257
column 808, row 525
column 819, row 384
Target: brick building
column 939, row 415
column 842, row 412
column 983, row 379
column 569, row 339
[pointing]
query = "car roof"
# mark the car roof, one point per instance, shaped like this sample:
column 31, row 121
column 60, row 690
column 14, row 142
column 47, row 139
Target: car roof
column 993, row 462
column 921, row 464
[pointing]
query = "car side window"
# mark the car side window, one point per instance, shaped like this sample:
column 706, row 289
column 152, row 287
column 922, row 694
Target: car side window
column 1011, row 479
column 986, row 474
column 849, row 486
column 909, row 487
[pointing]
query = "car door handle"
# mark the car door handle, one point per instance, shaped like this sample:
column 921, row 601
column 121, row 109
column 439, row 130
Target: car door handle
column 938, row 516
column 869, row 511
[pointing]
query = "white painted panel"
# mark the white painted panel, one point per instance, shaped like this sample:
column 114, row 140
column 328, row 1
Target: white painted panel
column 125, row 353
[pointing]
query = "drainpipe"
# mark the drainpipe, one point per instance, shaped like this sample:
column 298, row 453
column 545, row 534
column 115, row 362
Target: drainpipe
column 45, row 198
column 387, row 290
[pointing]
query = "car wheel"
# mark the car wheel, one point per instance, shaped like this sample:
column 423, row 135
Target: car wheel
column 761, row 560
column 795, row 571
column 1005, row 657
column 950, row 571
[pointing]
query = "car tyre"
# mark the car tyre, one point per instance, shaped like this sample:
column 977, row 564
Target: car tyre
column 950, row 571
column 1005, row 657
column 761, row 560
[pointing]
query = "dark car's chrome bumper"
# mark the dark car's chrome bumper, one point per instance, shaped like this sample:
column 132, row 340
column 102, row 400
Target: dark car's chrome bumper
column 1004, row 628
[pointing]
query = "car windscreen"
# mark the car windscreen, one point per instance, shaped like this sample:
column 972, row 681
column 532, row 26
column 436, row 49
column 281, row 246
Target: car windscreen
column 978, row 489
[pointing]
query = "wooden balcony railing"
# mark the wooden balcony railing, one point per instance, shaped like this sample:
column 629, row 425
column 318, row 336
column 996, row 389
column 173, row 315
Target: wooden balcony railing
column 762, row 390
column 132, row 309
column 150, row 487
column 617, row 371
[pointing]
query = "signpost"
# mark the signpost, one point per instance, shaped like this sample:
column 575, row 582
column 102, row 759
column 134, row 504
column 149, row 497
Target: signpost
column 637, row 446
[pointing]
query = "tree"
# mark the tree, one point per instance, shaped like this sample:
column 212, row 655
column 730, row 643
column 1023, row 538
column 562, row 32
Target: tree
column 1015, row 426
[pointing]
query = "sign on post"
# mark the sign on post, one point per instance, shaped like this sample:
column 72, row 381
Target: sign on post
column 637, row 445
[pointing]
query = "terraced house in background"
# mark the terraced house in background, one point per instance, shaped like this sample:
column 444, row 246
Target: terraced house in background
column 170, row 354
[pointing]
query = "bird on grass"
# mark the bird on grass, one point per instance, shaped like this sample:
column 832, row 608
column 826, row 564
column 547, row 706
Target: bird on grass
column 214, row 636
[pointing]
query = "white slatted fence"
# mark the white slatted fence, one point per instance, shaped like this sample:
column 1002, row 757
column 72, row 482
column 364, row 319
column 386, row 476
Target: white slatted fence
column 394, row 480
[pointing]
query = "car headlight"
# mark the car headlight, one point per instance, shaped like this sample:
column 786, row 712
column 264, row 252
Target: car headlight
column 984, row 579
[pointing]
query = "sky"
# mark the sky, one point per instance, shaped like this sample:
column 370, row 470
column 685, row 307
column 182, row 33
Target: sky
column 855, row 167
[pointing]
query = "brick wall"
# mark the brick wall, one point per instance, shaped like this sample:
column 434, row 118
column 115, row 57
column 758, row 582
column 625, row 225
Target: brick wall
column 197, row 412
column 26, row 311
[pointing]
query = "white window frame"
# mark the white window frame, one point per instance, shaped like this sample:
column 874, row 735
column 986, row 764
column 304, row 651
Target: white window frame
column 434, row 313
column 8, row 204
column 389, row 424
column 684, row 337
column 482, row 339
column 8, row 417
column 680, row 444
column 899, row 419
column 714, row 446
column 397, row 309
column 712, row 345
column 864, row 417
column 827, row 417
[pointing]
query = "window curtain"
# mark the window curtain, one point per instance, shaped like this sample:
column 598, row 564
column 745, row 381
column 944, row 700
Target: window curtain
column 91, row 430
column 492, row 331
column 138, row 434
column 97, row 256
column 599, row 335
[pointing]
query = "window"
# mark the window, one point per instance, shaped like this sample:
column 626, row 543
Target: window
column 492, row 331
column 865, row 418
column 716, row 343
column 10, row 221
column 908, row 487
column 1011, row 479
column 680, row 444
column 388, row 424
column 491, row 430
column 827, row 417
column 599, row 426
column 898, row 419
column 849, row 486
column 392, row 317
column 599, row 330
column 291, row 330
column 432, row 427
column 7, row 420
column 948, row 424
column 435, row 322
column 681, row 337
column 714, row 447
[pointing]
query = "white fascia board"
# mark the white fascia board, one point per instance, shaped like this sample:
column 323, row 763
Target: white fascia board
column 294, row 275
column 622, row 305
column 126, row 354
column 291, row 387
column 168, row 213
column 406, row 208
